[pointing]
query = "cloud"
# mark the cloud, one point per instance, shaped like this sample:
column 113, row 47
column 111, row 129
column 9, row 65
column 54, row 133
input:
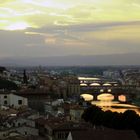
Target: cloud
column 38, row 13
column 60, row 27
column 14, row 43
column 95, row 31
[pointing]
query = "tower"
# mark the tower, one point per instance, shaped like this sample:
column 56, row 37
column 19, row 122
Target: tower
column 25, row 79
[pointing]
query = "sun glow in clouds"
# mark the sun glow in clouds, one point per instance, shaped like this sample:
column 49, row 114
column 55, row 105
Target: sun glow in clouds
column 18, row 26
column 39, row 12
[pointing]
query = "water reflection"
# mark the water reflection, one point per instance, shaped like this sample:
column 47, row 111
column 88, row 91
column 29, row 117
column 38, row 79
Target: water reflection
column 107, row 103
column 106, row 97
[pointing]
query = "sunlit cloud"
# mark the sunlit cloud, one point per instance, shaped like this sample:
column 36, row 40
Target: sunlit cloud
column 35, row 33
column 17, row 26
column 136, row 5
column 50, row 40
column 57, row 23
column 40, row 13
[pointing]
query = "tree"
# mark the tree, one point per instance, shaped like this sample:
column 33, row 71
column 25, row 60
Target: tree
column 93, row 115
column 127, row 120
column 130, row 119
column 2, row 69
column 6, row 84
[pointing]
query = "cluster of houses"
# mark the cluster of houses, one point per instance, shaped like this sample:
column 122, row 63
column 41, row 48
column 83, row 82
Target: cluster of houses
column 60, row 119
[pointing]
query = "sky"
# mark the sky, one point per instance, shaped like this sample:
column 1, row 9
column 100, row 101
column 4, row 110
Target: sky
column 41, row 28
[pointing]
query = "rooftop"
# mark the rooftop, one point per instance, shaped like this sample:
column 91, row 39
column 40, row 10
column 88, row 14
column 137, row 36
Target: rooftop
column 104, row 134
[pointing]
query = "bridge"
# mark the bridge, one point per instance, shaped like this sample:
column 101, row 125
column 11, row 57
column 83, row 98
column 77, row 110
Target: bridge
column 98, row 86
column 118, row 92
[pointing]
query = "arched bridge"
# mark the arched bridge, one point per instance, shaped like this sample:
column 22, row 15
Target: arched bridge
column 116, row 91
column 104, row 97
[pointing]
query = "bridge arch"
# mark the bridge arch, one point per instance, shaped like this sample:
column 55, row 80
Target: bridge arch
column 107, row 84
column 95, row 84
column 122, row 98
column 87, row 97
column 83, row 85
column 105, row 97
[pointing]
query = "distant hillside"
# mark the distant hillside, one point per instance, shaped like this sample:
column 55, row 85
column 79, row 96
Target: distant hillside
column 76, row 60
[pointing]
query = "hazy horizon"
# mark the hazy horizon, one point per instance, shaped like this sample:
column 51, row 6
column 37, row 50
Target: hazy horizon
column 74, row 60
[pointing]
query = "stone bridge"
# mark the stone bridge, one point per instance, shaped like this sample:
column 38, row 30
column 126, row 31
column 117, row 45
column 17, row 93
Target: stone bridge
column 118, row 92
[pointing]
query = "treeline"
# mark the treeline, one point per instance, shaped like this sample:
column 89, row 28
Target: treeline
column 127, row 120
column 2, row 69
column 8, row 85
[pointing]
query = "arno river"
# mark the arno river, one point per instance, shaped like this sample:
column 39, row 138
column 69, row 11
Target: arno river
column 106, row 100
column 113, row 106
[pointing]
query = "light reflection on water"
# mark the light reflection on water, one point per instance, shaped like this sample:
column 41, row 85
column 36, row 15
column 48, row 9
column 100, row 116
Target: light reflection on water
column 105, row 101
column 116, row 106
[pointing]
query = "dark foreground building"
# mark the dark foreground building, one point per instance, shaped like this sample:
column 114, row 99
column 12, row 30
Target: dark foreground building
column 103, row 134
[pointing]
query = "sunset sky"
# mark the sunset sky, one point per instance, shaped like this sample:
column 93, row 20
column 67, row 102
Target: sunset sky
column 40, row 28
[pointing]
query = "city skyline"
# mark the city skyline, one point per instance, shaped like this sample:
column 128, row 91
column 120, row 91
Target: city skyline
column 40, row 28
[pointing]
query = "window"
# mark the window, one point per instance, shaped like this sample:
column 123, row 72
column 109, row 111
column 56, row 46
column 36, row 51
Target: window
column 18, row 124
column 5, row 96
column 66, row 135
column 13, row 124
column 4, row 135
column 20, row 102
column 5, row 102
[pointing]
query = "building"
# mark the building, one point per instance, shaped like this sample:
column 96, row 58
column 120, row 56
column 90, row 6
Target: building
column 10, row 99
column 76, row 112
column 73, row 86
column 21, row 130
column 103, row 134
column 18, row 122
column 58, row 128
